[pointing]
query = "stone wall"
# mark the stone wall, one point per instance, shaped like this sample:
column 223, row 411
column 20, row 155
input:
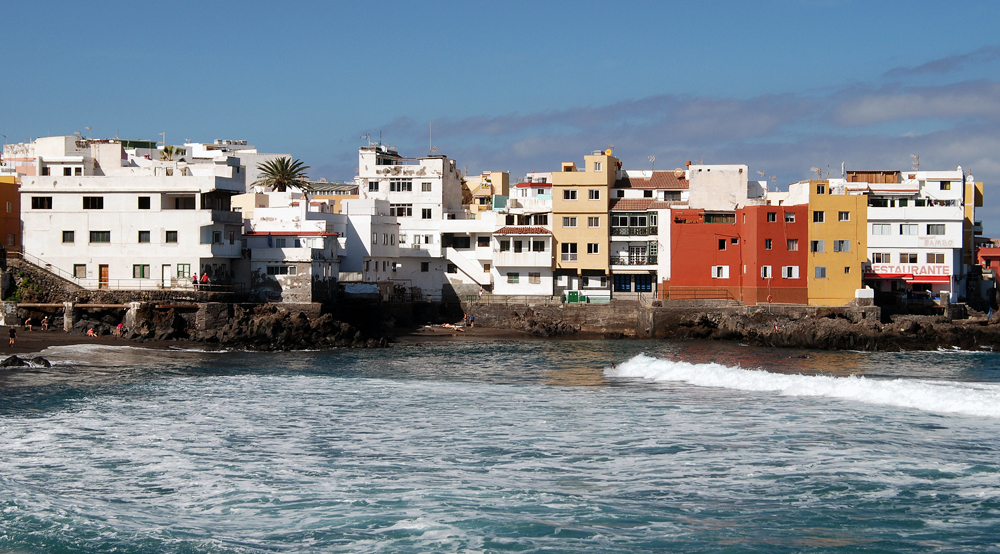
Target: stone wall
column 618, row 318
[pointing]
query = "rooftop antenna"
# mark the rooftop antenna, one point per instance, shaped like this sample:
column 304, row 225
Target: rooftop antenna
column 164, row 137
column 368, row 137
column 916, row 162
column 817, row 171
column 88, row 131
column 843, row 171
column 430, row 137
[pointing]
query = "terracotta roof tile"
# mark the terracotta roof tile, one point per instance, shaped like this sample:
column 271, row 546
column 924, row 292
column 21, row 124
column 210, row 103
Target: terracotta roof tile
column 526, row 185
column 664, row 204
column 659, row 180
column 522, row 230
column 631, row 204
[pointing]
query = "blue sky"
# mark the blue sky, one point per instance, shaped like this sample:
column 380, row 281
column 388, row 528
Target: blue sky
column 781, row 86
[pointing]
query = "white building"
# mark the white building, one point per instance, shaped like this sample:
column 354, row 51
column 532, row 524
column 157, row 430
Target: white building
column 292, row 249
column 522, row 260
column 109, row 220
column 916, row 221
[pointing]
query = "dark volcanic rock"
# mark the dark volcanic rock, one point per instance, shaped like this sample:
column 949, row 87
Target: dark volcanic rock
column 13, row 361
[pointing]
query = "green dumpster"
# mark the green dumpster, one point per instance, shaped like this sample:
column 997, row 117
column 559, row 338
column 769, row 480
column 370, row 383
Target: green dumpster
column 572, row 296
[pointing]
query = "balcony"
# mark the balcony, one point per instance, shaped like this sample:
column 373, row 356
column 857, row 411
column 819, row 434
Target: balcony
column 227, row 217
column 634, row 231
column 633, row 260
column 522, row 259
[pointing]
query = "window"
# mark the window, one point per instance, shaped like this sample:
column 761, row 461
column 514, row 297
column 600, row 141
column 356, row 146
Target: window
column 538, row 246
column 425, row 187
column 819, row 217
column 401, row 210
column 143, row 236
column 183, row 271
column 772, row 217
column 841, row 246
column 372, row 186
column 569, row 222
column 143, row 202
column 569, row 195
column 400, row 185
column 734, row 240
column 282, row 270
column 281, row 243
column 767, row 244
column 569, row 251
column 535, row 278
column 765, row 271
column 462, row 242
column 817, row 246
column 100, row 236
column 593, row 248
column 426, row 213
column 374, row 238
column 722, row 244
column 593, row 222
column 935, row 258
column 792, row 245
column 452, row 268
column 881, row 258
column 93, row 202
column 10, row 239
column 45, row 171
column 67, row 171
column 623, row 283
column 80, row 271
column 720, row 218
column 847, row 270
column 140, row 271
column 878, row 202
column 513, row 278
column 77, row 171
column 41, row 202
column 621, row 194
column 821, row 273
column 483, row 242
column 906, row 258
column 903, row 202
column 935, row 228
column 945, row 185
column 597, row 166
column 541, row 219
column 647, row 194
column 10, row 207
column 789, row 218
column 790, row 272
column 720, row 272
column 69, row 236
column 505, row 246
column 843, row 216
column 171, row 237
column 425, row 267
column 908, row 229
column 881, row 229
column 644, row 283
column 594, row 194
column 820, row 189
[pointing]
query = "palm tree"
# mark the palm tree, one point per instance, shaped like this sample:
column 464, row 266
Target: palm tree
column 169, row 152
column 281, row 173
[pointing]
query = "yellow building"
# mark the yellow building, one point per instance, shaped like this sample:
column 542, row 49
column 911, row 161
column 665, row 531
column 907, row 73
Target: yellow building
column 479, row 190
column 580, row 224
column 10, row 212
column 838, row 243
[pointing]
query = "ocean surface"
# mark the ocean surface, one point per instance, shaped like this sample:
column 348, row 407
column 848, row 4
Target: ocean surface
column 502, row 447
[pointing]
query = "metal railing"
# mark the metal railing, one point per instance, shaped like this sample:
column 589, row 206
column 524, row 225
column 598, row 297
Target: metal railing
column 633, row 260
column 700, row 293
column 43, row 265
column 633, row 231
column 513, row 299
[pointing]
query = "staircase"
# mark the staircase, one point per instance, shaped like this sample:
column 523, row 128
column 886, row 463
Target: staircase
column 469, row 267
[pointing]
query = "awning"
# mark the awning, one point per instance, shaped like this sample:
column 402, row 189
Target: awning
column 930, row 279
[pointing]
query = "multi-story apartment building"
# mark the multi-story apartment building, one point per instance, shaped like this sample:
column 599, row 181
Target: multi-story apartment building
column 480, row 190
column 10, row 209
column 580, row 225
column 639, row 244
column 838, row 240
column 110, row 220
column 916, row 229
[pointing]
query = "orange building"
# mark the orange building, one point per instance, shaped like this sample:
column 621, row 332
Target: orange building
column 10, row 212
column 754, row 254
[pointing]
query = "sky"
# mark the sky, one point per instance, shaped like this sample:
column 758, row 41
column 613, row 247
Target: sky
column 782, row 86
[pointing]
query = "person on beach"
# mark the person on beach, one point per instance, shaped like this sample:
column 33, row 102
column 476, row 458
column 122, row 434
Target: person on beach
column 91, row 333
column 45, row 323
column 13, row 335
column 194, row 280
column 28, row 324
column 472, row 321
column 119, row 329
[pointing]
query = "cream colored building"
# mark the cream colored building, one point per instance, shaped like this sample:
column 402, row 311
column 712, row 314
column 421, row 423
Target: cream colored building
column 580, row 224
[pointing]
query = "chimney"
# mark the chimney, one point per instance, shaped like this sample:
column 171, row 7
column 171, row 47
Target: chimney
column 688, row 164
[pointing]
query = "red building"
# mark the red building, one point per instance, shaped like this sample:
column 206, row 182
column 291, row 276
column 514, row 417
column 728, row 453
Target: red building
column 752, row 254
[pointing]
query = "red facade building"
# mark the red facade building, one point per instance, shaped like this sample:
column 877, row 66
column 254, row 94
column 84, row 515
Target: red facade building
column 754, row 254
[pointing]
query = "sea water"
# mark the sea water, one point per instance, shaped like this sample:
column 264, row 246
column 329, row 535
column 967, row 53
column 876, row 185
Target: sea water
column 555, row 446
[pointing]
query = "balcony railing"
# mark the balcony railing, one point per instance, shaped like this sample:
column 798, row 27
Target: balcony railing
column 633, row 260
column 633, row 231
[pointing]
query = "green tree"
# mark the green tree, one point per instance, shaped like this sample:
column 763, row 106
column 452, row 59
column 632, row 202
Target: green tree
column 282, row 173
column 168, row 153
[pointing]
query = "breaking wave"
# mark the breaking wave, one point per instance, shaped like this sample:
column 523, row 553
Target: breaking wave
column 950, row 397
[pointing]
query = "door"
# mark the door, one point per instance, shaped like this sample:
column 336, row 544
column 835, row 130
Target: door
column 103, row 272
column 637, row 255
column 165, row 276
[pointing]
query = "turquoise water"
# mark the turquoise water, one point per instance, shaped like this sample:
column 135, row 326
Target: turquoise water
column 497, row 447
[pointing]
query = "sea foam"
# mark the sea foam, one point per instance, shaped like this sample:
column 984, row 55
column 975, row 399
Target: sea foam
column 950, row 397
